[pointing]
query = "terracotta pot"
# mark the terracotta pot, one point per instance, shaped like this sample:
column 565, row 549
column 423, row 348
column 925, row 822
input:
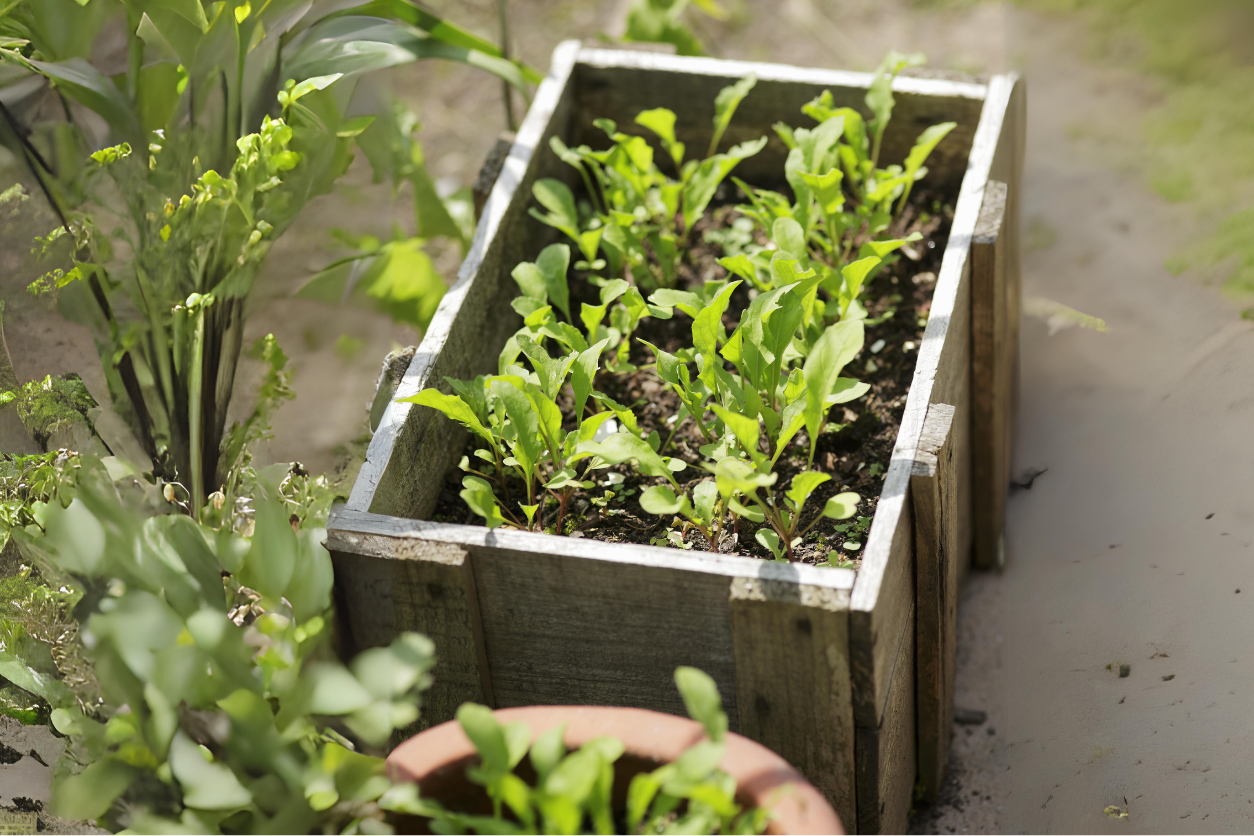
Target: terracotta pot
column 437, row 759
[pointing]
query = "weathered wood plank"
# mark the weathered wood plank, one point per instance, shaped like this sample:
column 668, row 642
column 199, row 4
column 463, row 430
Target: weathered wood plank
column 385, row 587
column 414, row 447
column 885, row 754
column 933, row 491
column 564, row 621
column 791, row 645
column 991, row 380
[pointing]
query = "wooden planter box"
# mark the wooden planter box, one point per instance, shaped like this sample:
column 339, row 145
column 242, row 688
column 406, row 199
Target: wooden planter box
column 818, row 664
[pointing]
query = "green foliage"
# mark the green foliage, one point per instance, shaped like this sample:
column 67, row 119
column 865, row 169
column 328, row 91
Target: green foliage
column 52, row 404
column 751, row 391
column 634, row 204
column 573, row 790
column 223, row 709
column 227, row 120
column 662, row 22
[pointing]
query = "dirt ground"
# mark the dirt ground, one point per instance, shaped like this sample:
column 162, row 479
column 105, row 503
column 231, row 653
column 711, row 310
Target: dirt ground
column 1133, row 547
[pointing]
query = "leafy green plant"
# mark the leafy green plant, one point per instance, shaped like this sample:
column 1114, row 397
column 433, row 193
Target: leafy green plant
column 220, row 707
column 633, row 204
column 769, row 345
column 572, row 792
column 228, row 119
column 663, row 22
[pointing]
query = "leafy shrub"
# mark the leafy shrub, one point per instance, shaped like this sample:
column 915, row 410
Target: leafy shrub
column 572, row 793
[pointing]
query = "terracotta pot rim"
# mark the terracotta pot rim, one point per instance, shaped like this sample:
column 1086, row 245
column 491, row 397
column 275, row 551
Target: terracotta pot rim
column 763, row 778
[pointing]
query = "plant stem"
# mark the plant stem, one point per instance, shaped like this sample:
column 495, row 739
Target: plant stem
column 196, row 419
column 507, row 94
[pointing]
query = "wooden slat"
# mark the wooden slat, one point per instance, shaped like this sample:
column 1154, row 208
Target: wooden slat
column 414, row 447
column 933, row 491
column 990, row 381
column 881, row 604
column 384, row 588
column 885, row 754
column 563, row 620
column 791, row 646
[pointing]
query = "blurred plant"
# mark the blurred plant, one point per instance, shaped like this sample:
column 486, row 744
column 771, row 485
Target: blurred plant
column 397, row 277
column 662, row 22
column 220, row 707
column 573, row 790
column 167, row 229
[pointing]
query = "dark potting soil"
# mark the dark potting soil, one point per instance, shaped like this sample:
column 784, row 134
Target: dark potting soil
column 854, row 451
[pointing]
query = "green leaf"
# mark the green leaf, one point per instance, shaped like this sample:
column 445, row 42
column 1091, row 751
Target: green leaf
column 622, row 447
column 842, row 506
column 831, row 352
column 555, row 196
column 735, row 476
column 481, row 726
column 803, row 484
column 923, row 147
column 552, row 264
column 479, row 497
column 90, row 793
column 548, row 751
column 661, row 500
column 745, row 429
column 827, row 190
column 662, row 122
column 705, row 498
column 700, row 188
column 271, row 559
column 707, row 329
column 86, row 85
column 770, row 541
column 206, row 785
column 725, row 104
column 526, row 423
column 583, row 374
column 702, row 700
column 454, row 407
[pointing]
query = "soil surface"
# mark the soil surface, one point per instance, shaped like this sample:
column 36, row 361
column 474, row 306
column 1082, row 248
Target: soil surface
column 854, row 450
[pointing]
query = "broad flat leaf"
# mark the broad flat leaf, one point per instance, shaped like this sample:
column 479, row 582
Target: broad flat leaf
column 725, row 104
column 854, row 276
column 707, row 329
column 479, row 724
column 833, row 350
column 745, row 429
column 90, row 793
column 206, row 786
column 923, row 147
column 842, row 506
column 272, row 557
column 883, row 248
column 661, row 500
column 555, row 196
column 549, row 418
column 702, row 700
column 454, row 407
column 791, row 239
column 735, row 476
column 623, row 447
column 479, row 497
column 552, row 264
column 583, row 373
column 701, row 187
column 826, row 189
column 522, row 415
column 662, row 122
column 740, row 265
column 358, row 44
column 803, row 484
column 86, row 85
column 770, row 541
column 846, row 389
column 704, row 499
column 548, row 751
column 687, row 301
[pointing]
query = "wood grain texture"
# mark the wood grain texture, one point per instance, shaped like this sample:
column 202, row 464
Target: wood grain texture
column 791, row 645
column 385, row 588
column 991, row 380
column 885, row 760
column 414, row 447
column 567, row 621
column 933, row 491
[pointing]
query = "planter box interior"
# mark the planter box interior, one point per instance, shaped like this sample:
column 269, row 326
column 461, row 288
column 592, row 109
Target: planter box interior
column 818, row 664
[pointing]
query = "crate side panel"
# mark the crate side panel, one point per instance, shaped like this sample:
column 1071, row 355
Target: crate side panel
column 427, row 445
column 619, row 93
column 565, row 630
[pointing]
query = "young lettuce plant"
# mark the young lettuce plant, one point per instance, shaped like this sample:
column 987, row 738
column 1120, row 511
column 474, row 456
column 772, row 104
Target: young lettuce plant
column 633, row 205
column 573, row 790
column 843, row 201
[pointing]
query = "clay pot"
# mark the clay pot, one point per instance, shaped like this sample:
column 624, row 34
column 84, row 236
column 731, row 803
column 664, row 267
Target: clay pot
column 437, row 759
